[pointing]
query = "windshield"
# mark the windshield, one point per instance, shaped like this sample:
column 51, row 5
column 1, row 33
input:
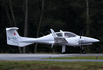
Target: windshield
column 69, row 34
column 66, row 34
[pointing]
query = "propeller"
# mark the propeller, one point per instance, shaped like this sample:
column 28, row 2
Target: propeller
column 81, row 46
column 81, row 34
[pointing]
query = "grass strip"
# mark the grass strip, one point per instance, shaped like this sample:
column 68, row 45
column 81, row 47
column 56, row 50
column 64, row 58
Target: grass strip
column 49, row 65
column 80, row 57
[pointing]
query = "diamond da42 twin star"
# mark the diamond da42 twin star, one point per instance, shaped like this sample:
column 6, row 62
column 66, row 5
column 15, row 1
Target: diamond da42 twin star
column 62, row 38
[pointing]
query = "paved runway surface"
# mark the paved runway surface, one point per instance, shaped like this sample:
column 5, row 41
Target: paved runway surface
column 39, row 57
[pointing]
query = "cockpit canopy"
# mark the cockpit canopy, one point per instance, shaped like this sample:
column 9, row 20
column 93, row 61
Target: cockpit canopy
column 65, row 34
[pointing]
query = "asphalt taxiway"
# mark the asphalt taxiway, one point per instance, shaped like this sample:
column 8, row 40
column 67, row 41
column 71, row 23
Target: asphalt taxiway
column 40, row 57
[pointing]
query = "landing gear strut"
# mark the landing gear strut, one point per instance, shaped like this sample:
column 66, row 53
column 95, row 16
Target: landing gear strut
column 63, row 49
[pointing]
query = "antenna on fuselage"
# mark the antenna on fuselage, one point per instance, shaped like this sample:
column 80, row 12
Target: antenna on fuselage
column 48, row 31
column 61, row 31
column 41, row 33
column 81, row 33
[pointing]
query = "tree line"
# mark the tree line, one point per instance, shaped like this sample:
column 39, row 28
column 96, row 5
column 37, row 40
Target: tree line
column 34, row 18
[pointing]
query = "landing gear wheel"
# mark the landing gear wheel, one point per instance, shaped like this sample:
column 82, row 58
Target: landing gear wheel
column 83, row 51
column 62, row 52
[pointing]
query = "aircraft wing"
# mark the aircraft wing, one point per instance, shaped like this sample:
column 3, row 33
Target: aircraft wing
column 58, row 39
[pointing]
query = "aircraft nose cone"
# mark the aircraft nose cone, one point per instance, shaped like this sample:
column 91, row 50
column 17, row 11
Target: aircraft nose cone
column 90, row 40
column 96, row 40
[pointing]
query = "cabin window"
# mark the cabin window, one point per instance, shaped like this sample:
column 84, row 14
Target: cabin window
column 59, row 34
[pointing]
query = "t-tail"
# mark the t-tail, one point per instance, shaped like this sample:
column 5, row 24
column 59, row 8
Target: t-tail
column 13, row 37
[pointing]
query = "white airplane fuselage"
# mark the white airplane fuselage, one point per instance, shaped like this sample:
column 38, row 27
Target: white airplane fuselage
column 62, row 38
column 72, row 41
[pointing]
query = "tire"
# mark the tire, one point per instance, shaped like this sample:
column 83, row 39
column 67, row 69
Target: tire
column 83, row 51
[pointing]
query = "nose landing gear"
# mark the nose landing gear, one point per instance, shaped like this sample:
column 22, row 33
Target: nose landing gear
column 83, row 50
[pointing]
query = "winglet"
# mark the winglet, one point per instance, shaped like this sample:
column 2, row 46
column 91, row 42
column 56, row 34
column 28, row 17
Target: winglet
column 53, row 33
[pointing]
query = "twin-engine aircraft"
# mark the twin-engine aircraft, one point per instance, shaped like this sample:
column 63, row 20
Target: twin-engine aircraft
column 62, row 38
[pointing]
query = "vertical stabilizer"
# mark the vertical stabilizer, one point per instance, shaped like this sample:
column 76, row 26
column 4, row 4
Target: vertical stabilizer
column 14, row 39
column 12, row 36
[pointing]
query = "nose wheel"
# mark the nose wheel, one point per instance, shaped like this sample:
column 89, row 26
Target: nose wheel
column 83, row 50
